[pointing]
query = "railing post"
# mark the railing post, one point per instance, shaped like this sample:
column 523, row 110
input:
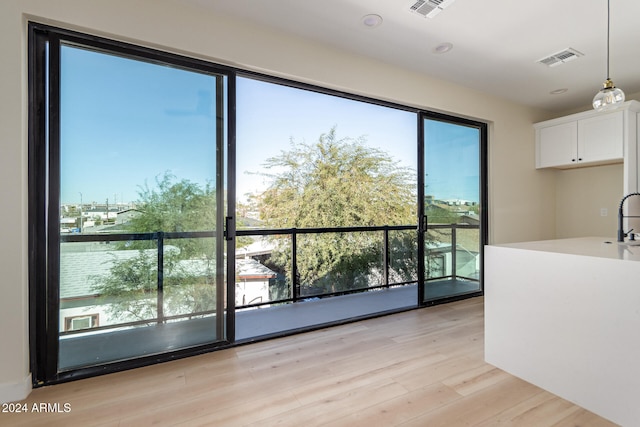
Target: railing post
column 454, row 250
column 160, row 296
column 294, row 266
column 385, row 255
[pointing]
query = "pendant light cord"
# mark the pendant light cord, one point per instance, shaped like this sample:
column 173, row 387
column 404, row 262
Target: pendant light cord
column 608, row 31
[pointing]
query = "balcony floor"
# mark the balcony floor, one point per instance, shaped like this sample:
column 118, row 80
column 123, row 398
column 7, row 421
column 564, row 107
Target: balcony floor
column 274, row 320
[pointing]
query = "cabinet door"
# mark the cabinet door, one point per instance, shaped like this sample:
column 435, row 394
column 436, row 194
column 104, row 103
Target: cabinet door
column 557, row 145
column 600, row 138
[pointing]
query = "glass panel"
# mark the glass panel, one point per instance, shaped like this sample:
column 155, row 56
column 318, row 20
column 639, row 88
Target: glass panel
column 139, row 156
column 262, row 275
column 468, row 255
column 331, row 263
column 189, row 282
column 438, row 252
column 452, row 203
column 315, row 160
column 403, row 256
column 118, row 285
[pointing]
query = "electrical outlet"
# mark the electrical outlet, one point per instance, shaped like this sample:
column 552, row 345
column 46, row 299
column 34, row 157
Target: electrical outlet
column 603, row 212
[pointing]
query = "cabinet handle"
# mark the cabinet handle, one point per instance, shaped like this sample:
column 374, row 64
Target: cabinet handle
column 573, row 160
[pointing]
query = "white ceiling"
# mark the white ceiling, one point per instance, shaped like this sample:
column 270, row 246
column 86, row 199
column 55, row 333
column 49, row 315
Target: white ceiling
column 496, row 43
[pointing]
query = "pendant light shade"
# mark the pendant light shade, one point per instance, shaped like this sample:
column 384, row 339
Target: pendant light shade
column 609, row 97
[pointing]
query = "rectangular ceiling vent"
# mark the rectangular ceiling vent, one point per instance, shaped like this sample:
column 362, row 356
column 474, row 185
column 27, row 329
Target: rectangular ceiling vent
column 429, row 8
column 561, row 57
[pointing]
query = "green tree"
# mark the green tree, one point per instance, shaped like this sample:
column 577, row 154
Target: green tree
column 189, row 263
column 130, row 290
column 337, row 182
column 172, row 206
column 176, row 206
column 441, row 215
column 333, row 183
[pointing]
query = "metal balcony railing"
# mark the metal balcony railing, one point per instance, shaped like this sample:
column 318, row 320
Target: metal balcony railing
column 294, row 235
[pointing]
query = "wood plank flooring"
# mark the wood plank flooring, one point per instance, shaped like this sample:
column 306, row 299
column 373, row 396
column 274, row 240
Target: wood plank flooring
column 419, row 368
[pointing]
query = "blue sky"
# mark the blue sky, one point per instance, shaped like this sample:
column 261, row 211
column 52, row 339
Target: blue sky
column 270, row 115
column 125, row 122
column 452, row 161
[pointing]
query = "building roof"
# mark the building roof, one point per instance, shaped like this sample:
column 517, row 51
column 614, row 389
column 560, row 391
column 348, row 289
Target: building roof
column 249, row 268
column 78, row 269
column 259, row 247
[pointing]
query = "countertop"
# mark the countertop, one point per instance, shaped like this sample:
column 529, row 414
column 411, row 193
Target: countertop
column 600, row 247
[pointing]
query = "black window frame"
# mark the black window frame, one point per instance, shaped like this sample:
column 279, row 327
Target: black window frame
column 41, row 215
column 44, row 188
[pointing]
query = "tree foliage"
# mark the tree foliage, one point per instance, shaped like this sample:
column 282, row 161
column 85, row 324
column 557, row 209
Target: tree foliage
column 336, row 183
column 189, row 263
column 130, row 290
column 439, row 215
column 174, row 206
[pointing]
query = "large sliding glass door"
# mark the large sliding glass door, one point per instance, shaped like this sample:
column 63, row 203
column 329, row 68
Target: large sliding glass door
column 453, row 211
column 135, row 257
column 326, row 190
column 132, row 152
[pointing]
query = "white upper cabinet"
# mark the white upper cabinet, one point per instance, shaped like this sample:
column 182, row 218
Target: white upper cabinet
column 601, row 138
column 594, row 140
column 557, row 145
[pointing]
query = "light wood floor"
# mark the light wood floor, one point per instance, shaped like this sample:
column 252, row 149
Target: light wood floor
column 420, row 368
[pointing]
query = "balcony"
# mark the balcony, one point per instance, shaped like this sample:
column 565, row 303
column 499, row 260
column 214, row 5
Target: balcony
column 385, row 281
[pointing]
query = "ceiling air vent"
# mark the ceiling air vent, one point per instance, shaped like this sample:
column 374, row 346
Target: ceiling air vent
column 429, row 8
column 560, row 57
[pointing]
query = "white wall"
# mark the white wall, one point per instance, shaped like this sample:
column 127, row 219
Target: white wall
column 581, row 194
column 522, row 200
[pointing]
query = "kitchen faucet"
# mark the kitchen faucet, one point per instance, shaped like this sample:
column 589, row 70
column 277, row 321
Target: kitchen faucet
column 621, row 233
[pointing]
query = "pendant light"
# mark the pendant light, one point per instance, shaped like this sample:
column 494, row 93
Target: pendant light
column 609, row 97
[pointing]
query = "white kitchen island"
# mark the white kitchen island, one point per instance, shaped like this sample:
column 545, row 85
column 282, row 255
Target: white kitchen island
column 565, row 315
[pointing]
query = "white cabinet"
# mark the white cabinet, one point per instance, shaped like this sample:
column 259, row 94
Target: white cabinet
column 593, row 138
column 557, row 145
column 590, row 140
column 600, row 138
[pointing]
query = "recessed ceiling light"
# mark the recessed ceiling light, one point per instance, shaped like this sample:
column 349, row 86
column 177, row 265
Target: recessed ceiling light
column 443, row 48
column 371, row 20
column 559, row 91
